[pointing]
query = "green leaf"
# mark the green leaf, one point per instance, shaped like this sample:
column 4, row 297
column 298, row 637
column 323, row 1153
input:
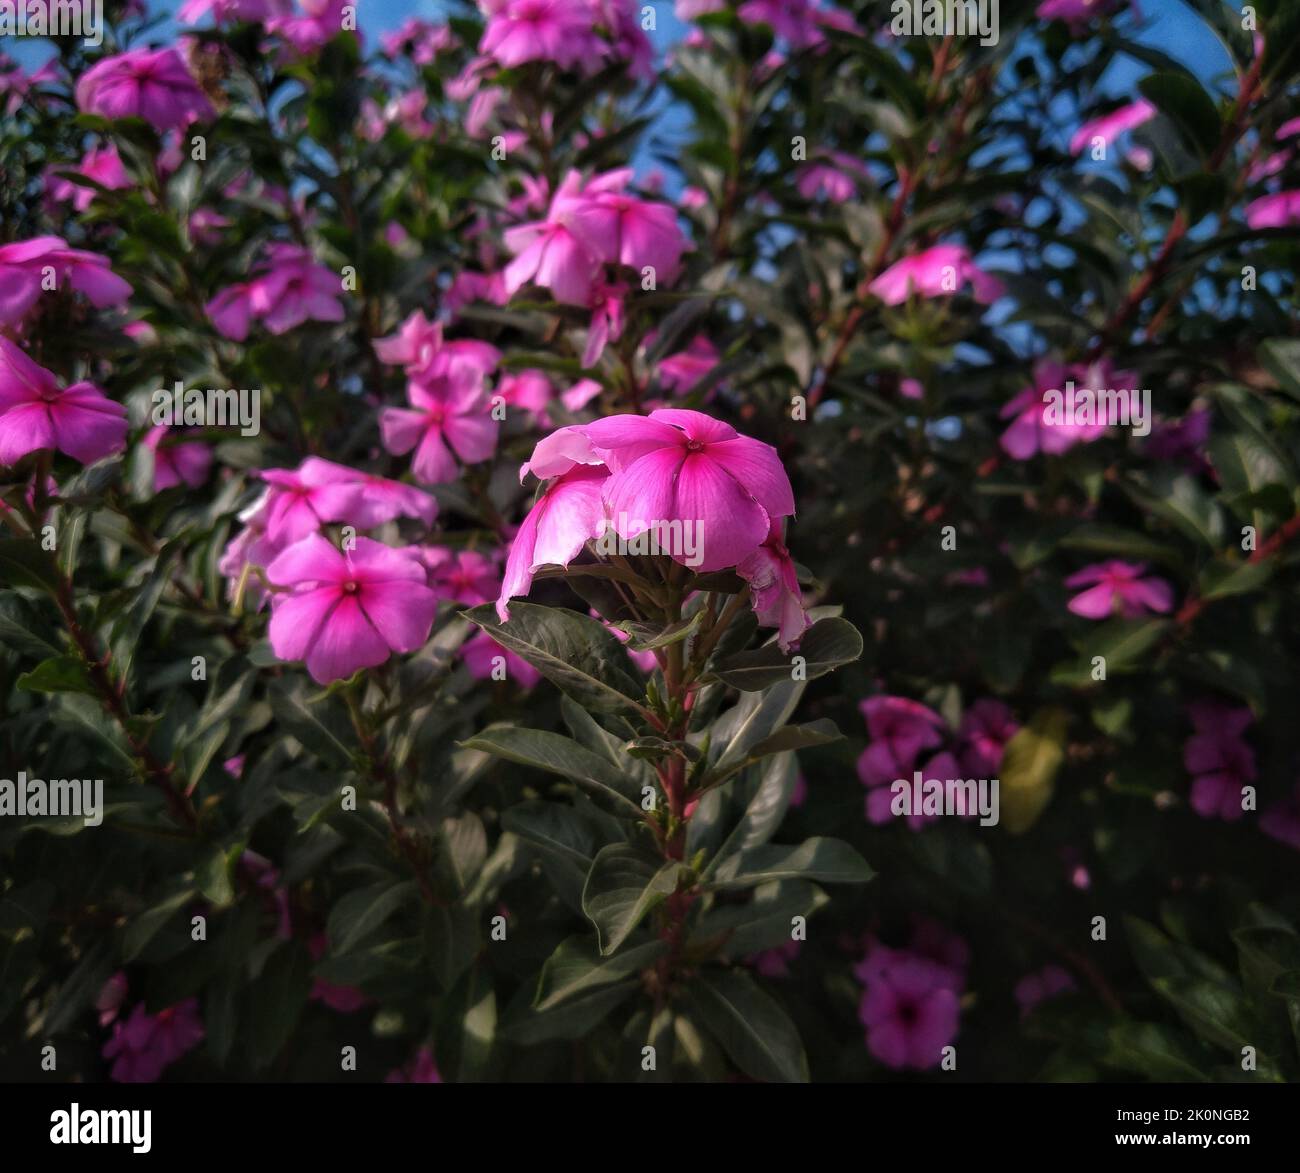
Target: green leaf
column 1192, row 110
column 560, row 755
column 791, row 737
column 144, row 927
column 756, row 1033
column 645, row 637
column 560, row 830
column 828, row 861
column 22, row 629
column 24, row 563
column 574, row 652
column 827, row 645
column 1219, row 579
column 130, row 627
column 773, row 782
column 764, row 922
column 756, row 716
column 361, row 912
column 1122, row 643
column 308, row 725
column 63, row 673
column 623, row 886
column 571, row 1019
column 576, row 968
column 277, row 1001
column 1029, row 765
column 1281, row 358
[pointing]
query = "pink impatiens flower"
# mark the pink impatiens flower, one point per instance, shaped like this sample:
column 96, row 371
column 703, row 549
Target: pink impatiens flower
column 144, row 1044
column 448, row 414
column 1279, row 210
column 1118, row 586
column 910, row 1007
column 180, row 463
column 774, row 589
column 1219, row 759
column 293, row 288
column 346, row 611
column 151, row 84
column 25, row 264
column 935, row 272
column 1110, row 126
column 900, row 729
column 678, row 466
column 37, row 414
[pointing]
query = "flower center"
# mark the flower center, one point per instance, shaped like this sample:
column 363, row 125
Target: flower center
column 694, row 445
column 351, row 587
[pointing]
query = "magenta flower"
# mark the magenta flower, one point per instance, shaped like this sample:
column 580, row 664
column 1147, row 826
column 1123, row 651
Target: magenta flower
column 300, row 502
column 909, row 1008
column 448, row 414
column 37, row 414
column 774, row 589
column 231, row 312
column 319, row 23
column 346, row 611
column 622, row 229
column 986, row 727
column 559, row 31
column 551, row 253
column 1075, row 13
column 1110, row 126
column 293, row 288
column 1279, row 210
column 834, row 178
column 899, row 729
column 174, row 464
column 682, row 371
column 464, row 576
column 683, row 466
column 485, row 659
column 935, row 272
column 1219, row 759
column 1035, row 428
column 568, row 514
column 231, row 11
column 418, row 346
column 102, row 164
column 527, row 390
column 1118, row 586
column 145, row 1044
column 22, row 270
column 421, row 1069
column 110, row 998
column 151, row 84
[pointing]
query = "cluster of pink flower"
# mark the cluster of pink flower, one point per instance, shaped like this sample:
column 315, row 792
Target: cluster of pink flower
column 901, row 728
column 636, row 474
column 581, row 35
column 143, row 1045
column 911, row 1001
column 46, row 264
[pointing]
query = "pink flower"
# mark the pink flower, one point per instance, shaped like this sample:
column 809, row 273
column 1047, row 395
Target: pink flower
column 174, row 464
column 23, row 268
column 1118, row 586
column 448, row 414
column 102, row 164
column 621, row 229
column 683, row 466
column 1278, row 210
column 231, row 11
column 293, row 288
column 1035, row 428
column 909, row 1008
column 347, row 611
column 1219, row 759
column 486, row 659
column 1281, row 821
column 834, row 178
column 343, row 999
column 1110, row 126
column 144, row 1044
column 231, row 311
column 110, row 998
column 550, row 253
column 899, row 729
column 1075, row 13
column 37, row 414
column 421, row 1069
column 986, row 727
column 935, row 272
column 681, row 372
column 151, row 84
column 528, row 390
column 1034, row 988
column 559, row 31
column 464, row 576
column 774, row 589
column 568, row 514
column 775, row 963
column 300, row 502
column 320, row 22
